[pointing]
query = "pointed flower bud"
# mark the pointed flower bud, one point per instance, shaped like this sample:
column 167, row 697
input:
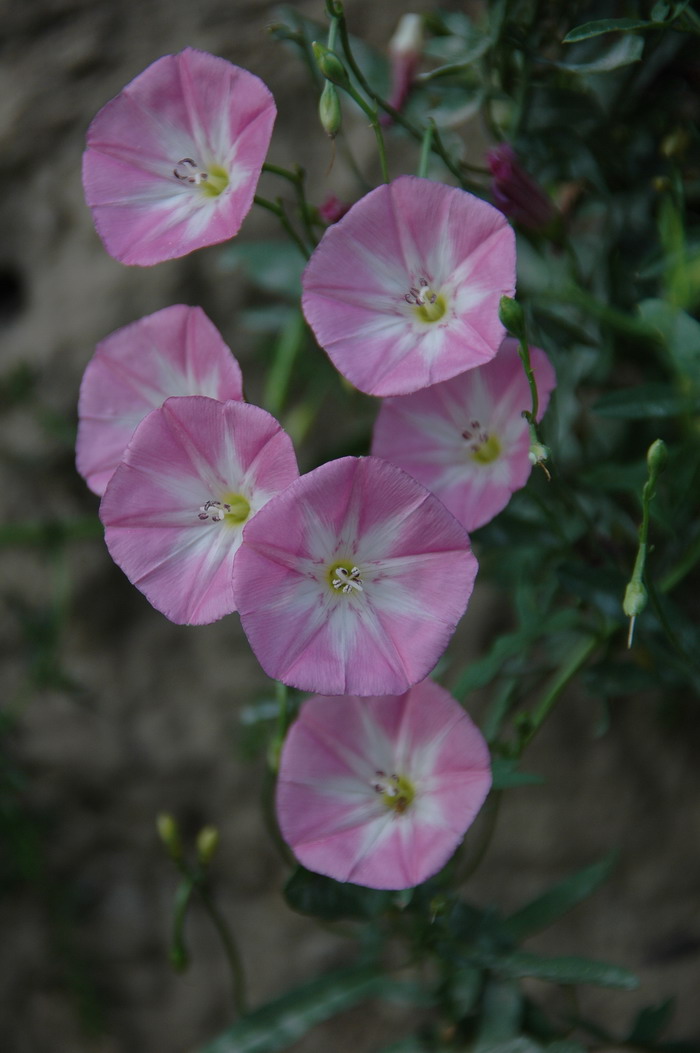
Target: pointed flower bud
column 330, row 65
column 657, row 455
column 207, row 844
column 329, row 110
column 516, row 193
column 635, row 599
column 169, row 834
column 405, row 49
column 332, row 209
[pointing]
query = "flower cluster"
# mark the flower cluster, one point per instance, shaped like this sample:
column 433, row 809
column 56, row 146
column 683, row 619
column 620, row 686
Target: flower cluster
column 350, row 579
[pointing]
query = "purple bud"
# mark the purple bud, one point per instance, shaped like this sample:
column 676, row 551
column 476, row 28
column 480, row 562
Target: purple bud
column 516, row 193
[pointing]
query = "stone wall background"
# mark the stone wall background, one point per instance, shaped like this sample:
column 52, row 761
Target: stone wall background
column 150, row 719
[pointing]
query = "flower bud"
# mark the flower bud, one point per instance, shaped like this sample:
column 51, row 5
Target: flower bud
column 635, row 599
column 516, row 193
column 511, row 315
column 405, row 49
column 330, row 65
column 207, row 844
column 169, row 834
column 329, row 110
column 657, row 455
column 332, row 209
column 538, row 453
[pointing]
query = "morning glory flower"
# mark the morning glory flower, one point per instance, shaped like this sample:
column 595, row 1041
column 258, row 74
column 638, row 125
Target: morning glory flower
column 173, row 160
column 194, row 473
column 352, row 580
column 466, row 439
column 176, row 351
column 403, row 291
column 380, row 791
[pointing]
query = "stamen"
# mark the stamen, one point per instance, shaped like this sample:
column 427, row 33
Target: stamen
column 397, row 791
column 214, row 510
column 188, row 171
column 346, row 581
column 483, row 447
column 429, row 304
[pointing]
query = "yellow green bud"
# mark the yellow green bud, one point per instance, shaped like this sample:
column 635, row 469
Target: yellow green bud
column 169, row 834
column 207, row 844
column 330, row 65
column 511, row 314
column 329, row 110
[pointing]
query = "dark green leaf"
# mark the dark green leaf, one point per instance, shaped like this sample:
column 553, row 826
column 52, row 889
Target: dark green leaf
column 622, row 53
column 501, row 1014
column 519, row 1044
column 646, row 401
column 560, row 898
column 680, row 333
column 604, row 25
column 565, row 970
column 322, row 897
column 506, row 775
column 280, row 1023
column 650, row 1023
column 565, row 1046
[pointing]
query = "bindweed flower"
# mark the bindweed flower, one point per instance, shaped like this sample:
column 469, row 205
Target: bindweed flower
column 516, row 193
column 172, row 162
column 176, row 351
column 466, row 439
column 380, row 791
column 405, row 48
column 352, row 580
column 195, row 471
column 403, row 291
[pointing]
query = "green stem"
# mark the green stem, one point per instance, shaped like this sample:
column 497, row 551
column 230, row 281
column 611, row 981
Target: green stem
column 625, row 324
column 178, row 952
column 277, row 209
column 576, row 660
column 426, row 147
column 636, row 594
column 437, row 147
column 286, row 349
column 240, row 997
column 473, row 865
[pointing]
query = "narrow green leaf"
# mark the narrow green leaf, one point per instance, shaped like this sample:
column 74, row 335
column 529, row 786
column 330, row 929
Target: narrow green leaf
column 506, row 775
column 280, row 1023
column 624, row 51
column 547, row 908
column 564, row 970
column 322, row 897
column 679, row 331
column 501, row 1013
column 650, row 1023
column 645, row 401
column 604, row 25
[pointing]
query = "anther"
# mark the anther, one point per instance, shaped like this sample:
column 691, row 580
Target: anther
column 188, row 171
column 347, row 581
column 214, row 510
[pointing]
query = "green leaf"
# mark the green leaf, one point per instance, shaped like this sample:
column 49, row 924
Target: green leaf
column 565, row 1046
column 519, row 1044
column 560, row 898
column 506, row 775
column 274, row 266
column 650, row 1023
column 501, row 1013
column 679, row 332
column 623, row 52
column 604, row 25
column 564, row 970
column 322, row 897
column 646, row 401
column 280, row 1023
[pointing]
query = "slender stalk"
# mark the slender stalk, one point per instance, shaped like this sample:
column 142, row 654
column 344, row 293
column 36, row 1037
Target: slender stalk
column 296, row 177
column 238, row 979
column 425, row 149
column 576, row 660
column 277, row 209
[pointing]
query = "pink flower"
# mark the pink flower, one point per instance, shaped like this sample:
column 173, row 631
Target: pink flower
column 516, row 193
column 380, row 791
column 196, row 470
column 176, row 351
column 404, row 290
column 172, row 162
column 466, row 439
column 352, row 580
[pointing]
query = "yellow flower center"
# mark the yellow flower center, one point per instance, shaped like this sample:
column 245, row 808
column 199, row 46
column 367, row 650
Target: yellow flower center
column 343, row 576
column 210, row 182
column 397, row 792
column 428, row 304
column 487, row 451
column 232, row 509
